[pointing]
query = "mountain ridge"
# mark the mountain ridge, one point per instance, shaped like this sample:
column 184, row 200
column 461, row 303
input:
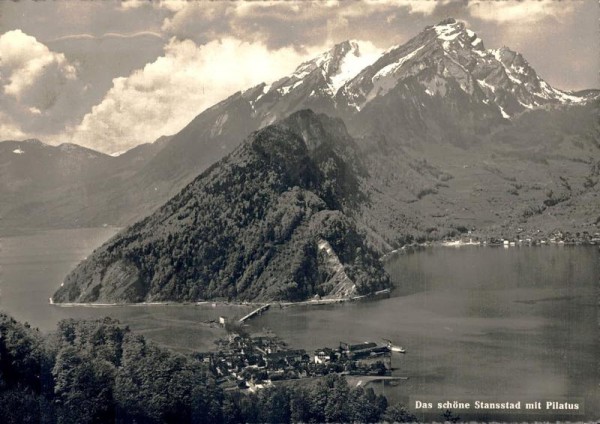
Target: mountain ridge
column 450, row 94
column 270, row 221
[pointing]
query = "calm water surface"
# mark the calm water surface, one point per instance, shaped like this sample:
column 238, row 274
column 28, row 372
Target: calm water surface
column 518, row 322
column 33, row 266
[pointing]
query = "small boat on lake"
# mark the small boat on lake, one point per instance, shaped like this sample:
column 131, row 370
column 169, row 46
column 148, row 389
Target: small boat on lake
column 394, row 348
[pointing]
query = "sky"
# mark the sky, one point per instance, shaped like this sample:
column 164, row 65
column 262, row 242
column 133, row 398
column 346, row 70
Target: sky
column 111, row 75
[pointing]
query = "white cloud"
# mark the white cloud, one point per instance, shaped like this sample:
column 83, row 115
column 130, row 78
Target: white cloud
column 520, row 12
column 108, row 35
column 168, row 93
column 38, row 87
column 173, row 5
column 30, row 72
column 133, row 4
column 424, row 7
column 8, row 129
column 280, row 23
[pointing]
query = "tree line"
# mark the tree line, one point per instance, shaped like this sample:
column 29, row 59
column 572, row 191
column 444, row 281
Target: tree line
column 101, row 372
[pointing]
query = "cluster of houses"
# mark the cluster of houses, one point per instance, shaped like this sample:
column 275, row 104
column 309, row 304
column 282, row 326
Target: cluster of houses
column 524, row 238
column 255, row 362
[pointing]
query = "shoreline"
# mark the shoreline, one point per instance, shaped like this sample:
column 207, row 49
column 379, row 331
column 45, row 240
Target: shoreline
column 506, row 243
column 215, row 303
column 406, row 249
column 141, row 304
column 409, row 248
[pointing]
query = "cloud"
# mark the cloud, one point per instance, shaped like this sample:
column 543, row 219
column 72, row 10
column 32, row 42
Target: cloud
column 168, row 93
column 425, row 7
column 9, row 130
column 293, row 23
column 173, row 5
column 90, row 47
column 107, row 35
column 520, row 12
column 133, row 4
column 30, row 72
column 39, row 88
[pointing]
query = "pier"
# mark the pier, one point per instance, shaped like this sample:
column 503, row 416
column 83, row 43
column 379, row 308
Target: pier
column 255, row 312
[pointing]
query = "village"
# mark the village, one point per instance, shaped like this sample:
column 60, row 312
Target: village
column 522, row 237
column 244, row 361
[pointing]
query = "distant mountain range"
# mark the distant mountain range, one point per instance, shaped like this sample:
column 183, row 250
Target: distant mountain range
column 452, row 137
column 43, row 186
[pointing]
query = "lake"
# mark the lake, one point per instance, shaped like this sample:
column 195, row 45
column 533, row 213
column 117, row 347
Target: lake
column 33, row 266
column 520, row 322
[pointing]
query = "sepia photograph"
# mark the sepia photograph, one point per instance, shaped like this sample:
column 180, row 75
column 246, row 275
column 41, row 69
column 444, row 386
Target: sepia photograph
column 370, row 211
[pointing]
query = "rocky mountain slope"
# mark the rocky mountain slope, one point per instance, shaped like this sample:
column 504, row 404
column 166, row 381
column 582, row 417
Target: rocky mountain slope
column 272, row 220
column 449, row 54
column 460, row 139
column 530, row 179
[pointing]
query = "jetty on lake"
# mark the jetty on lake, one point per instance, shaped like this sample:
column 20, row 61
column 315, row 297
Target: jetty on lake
column 255, row 312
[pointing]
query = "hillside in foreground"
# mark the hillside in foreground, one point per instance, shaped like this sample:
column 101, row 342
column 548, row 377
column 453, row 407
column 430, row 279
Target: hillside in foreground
column 98, row 371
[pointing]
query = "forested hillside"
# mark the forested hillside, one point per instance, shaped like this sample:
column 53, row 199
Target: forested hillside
column 252, row 227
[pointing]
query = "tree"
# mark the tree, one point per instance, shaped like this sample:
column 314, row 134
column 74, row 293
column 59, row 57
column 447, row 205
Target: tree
column 156, row 384
column 450, row 417
column 83, row 388
column 398, row 414
column 206, row 403
column 366, row 406
column 277, row 405
column 300, row 406
column 337, row 406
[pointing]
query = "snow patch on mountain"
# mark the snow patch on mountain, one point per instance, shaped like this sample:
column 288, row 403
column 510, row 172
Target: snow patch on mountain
column 350, row 66
column 393, row 67
column 329, row 71
column 217, row 128
column 435, row 85
column 504, row 114
column 385, row 79
column 265, row 90
column 496, row 54
column 447, row 32
column 484, row 84
column 568, row 98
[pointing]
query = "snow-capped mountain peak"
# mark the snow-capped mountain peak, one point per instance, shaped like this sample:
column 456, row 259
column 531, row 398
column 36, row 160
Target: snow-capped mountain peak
column 314, row 84
column 451, row 33
column 450, row 53
column 453, row 36
column 441, row 59
column 334, row 68
column 506, row 73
